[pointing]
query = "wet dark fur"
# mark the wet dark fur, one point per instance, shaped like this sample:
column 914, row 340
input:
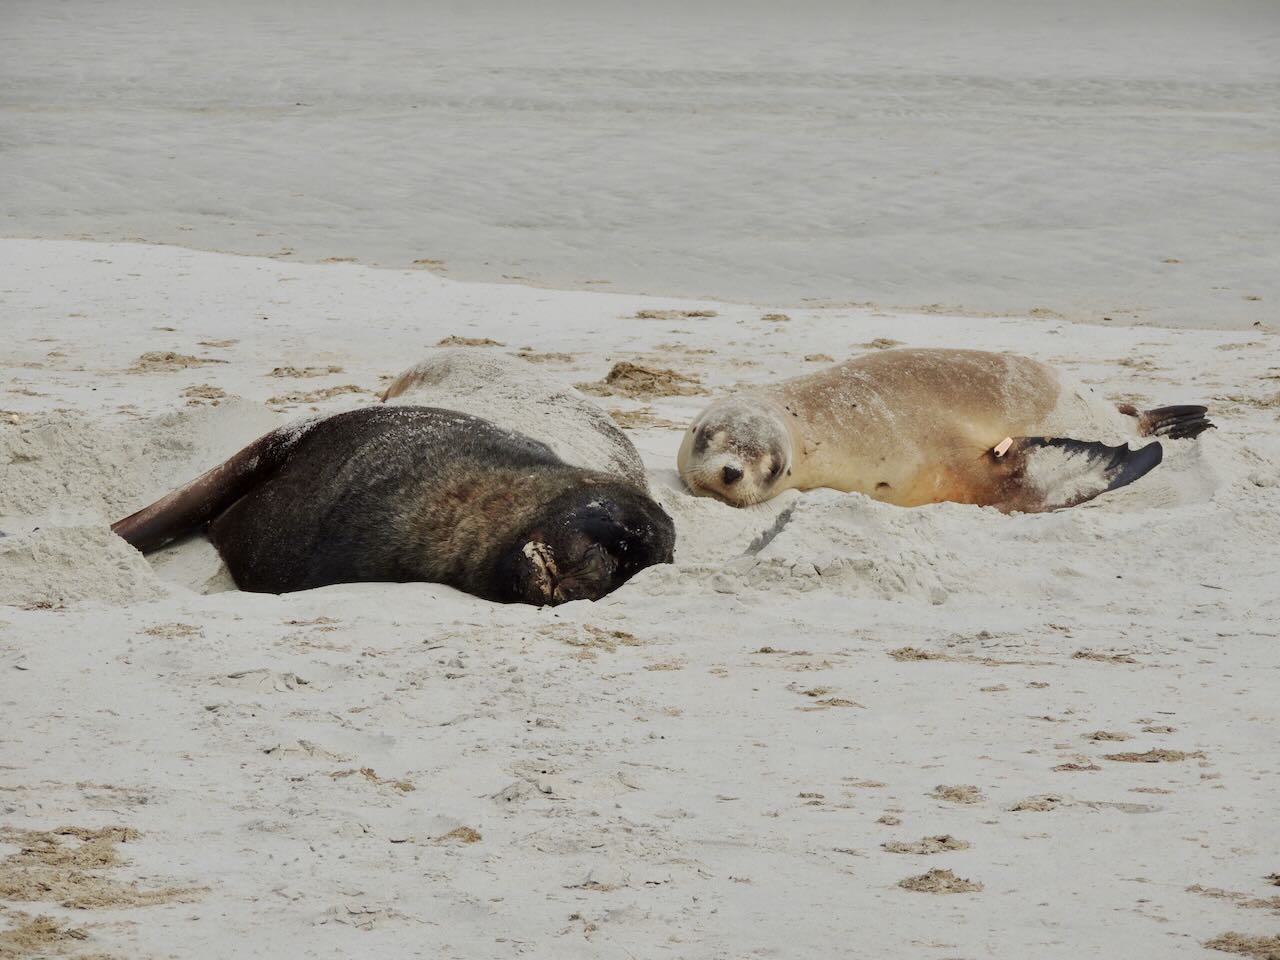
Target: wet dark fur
column 415, row 493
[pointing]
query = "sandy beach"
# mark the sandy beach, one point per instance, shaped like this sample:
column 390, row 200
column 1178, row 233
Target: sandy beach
column 832, row 727
column 743, row 754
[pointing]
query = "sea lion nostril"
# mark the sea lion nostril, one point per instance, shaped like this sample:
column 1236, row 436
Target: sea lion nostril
column 732, row 474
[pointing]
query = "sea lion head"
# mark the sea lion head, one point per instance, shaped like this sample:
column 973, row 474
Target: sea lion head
column 737, row 450
column 585, row 544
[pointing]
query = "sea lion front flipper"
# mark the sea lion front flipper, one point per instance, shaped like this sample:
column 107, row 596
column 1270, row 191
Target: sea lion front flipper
column 196, row 503
column 1035, row 474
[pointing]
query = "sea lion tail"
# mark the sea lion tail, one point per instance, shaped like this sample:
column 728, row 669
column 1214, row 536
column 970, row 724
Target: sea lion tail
column 1176, row 422
column 196, row 503
column 1037, row 474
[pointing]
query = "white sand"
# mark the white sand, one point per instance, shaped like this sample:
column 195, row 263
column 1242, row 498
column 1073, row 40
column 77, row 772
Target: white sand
column 642, row 779
column 1098, row 159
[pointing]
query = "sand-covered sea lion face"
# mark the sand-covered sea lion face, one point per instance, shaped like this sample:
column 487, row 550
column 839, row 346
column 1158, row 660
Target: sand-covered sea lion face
column 586, row 545
column 738, row 449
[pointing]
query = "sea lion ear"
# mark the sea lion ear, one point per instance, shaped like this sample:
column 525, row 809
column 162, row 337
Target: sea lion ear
column 1037, row 474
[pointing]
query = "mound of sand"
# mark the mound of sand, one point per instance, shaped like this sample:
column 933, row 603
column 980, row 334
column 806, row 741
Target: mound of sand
column 626, row 379
column 58, row 565
column 66, row 476
column 71, row 466
column 517, row 396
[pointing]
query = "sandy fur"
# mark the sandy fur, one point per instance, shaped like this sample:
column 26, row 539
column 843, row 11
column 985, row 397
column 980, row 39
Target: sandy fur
column 910, row 426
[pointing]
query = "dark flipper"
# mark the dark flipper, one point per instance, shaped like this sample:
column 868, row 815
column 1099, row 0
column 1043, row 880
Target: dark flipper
column 194, row 504
column 1048, row 473
column 1176, row 422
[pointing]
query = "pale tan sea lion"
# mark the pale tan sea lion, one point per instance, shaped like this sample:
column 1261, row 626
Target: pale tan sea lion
column 917, row 426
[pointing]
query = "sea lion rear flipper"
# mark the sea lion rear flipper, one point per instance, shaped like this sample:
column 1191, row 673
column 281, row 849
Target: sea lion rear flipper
column 1035, row 474
column 1176, row 422
column 196, row 503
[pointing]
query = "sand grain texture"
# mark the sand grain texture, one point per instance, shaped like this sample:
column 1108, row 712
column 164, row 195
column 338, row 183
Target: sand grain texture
column 384, row 769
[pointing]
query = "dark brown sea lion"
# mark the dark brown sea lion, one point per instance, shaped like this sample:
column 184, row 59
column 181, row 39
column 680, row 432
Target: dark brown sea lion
column 405, row 493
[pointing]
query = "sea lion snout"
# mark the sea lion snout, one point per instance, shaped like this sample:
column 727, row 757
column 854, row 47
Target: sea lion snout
column 542, row 580
column 591, row 578
column 588, row 544
column 736, row 451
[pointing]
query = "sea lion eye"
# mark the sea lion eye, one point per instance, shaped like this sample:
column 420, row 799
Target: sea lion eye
column 775, row 469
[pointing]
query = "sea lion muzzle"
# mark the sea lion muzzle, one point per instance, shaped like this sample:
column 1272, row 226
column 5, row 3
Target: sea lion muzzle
column 590, row 579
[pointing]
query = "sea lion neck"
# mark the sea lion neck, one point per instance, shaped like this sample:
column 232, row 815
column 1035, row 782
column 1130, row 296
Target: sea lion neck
column 477, row 522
